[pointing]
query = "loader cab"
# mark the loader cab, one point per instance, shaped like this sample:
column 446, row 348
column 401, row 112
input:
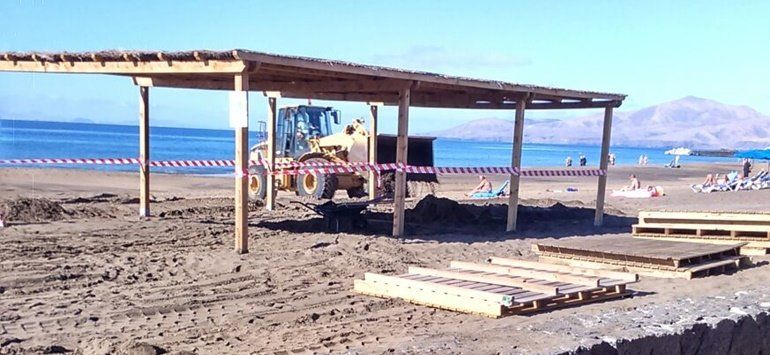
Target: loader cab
column 297, row 125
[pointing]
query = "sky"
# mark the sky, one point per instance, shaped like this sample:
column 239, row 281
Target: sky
column 653, row 51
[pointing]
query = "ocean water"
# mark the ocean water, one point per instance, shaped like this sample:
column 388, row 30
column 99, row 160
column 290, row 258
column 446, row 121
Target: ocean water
column 39, row 139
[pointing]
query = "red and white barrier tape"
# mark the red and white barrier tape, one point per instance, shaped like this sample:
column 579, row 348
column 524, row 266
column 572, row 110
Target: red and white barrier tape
column 295, row 168
column 568, row 172
column 105, row 161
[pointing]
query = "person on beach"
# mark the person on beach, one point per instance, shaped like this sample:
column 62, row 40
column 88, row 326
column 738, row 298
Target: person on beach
column 746, row 168
column 711, row 179
column 611, row 159
column 582, row 159
column 634, row 185
column 568, row 161
column 484, row 186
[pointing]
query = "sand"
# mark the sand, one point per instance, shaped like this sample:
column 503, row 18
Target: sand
column 79, row 271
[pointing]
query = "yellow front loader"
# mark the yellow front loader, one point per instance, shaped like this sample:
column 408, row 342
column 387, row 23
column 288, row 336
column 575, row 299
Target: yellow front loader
column 303, row 134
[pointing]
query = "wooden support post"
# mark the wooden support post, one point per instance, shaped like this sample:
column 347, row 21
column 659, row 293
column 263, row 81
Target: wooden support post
column 144, row 151
column 402, row 143
column 373, row 176
column 241, row 126
column 601, row 189
column 518, row 138
column 270, row 180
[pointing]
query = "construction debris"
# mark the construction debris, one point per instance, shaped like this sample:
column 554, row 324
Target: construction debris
column 500, row 287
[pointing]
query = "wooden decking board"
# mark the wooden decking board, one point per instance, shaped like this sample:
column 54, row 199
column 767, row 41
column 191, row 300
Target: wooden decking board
column 634, row 249
column 706, row 227
column 714, row 216
column 493, row 299
column 603, row 274
column 703, row 269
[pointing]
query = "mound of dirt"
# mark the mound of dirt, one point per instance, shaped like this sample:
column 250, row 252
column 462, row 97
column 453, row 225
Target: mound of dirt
column 432, row 210
column 138, row 348
column 31, row 210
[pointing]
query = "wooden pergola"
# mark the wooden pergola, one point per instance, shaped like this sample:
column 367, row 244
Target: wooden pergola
column 241, row 71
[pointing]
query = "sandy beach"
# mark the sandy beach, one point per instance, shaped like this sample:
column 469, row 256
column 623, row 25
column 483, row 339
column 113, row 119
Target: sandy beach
column 80, row 271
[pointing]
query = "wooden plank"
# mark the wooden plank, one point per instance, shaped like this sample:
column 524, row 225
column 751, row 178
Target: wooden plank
column 272, row 114
column 241, row 83
column 708, row 216
column 401, row 157
column 127, row 67
column 144, row 151
column 683, row 273
column 474, row 295
column 491, row 279
column 624, row 247
column 625, row 276
column 534, row 274
column 659, row 273
column 603, row 164
column 518, row 139
column 373, row 176
column 468, row 101
column 731, row 261
column 429, row 297
column 697, row 225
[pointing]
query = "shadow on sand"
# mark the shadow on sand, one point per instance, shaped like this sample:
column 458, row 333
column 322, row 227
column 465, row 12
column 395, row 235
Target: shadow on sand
column 445, row 220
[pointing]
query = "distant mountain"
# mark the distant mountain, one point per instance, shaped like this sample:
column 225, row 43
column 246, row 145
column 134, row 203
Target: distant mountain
column 690, row 122
column 81, row 120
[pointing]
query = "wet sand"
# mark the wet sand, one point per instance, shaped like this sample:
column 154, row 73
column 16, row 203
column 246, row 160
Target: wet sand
column 96, row 278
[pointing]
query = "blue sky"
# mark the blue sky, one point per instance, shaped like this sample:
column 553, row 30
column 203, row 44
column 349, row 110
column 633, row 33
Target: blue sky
column 654, row 51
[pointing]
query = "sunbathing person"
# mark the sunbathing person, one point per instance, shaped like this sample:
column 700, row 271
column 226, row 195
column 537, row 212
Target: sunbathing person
column 711, row 180
column 634, row 185
column 484, row 186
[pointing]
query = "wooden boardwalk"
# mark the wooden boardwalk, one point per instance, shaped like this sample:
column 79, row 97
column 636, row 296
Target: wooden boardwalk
column 500, row 287
column 707, row 227
column 644, row 256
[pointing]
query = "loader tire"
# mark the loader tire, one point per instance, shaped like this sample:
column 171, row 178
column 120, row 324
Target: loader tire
column 320, row 186
column 257, row 183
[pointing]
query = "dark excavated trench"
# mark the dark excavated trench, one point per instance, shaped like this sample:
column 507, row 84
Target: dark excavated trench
column 744, row 335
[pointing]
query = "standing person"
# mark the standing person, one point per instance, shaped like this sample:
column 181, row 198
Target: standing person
column 568, row 161
column 746, row 167
column 645, row 159
column 583, row 161
column 611, row 158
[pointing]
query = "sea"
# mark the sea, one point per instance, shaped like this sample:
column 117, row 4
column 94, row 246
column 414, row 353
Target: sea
column 42, row 139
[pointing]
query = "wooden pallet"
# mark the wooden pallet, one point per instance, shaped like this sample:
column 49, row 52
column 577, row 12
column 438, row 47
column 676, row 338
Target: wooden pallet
column 649, row 257
column 500, row 287
column 751, row 226
column 707, row 227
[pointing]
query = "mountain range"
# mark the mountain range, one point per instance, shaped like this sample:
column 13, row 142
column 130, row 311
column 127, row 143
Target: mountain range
column 689, row 122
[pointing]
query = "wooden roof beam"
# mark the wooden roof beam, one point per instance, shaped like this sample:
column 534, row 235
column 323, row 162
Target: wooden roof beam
column 124, row 67
column 387, row 98
column 471, row 102
column 375, row 85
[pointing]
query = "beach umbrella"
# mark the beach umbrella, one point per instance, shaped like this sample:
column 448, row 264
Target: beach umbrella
column 758, row 154
column 761, row 154
column 679, row 151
